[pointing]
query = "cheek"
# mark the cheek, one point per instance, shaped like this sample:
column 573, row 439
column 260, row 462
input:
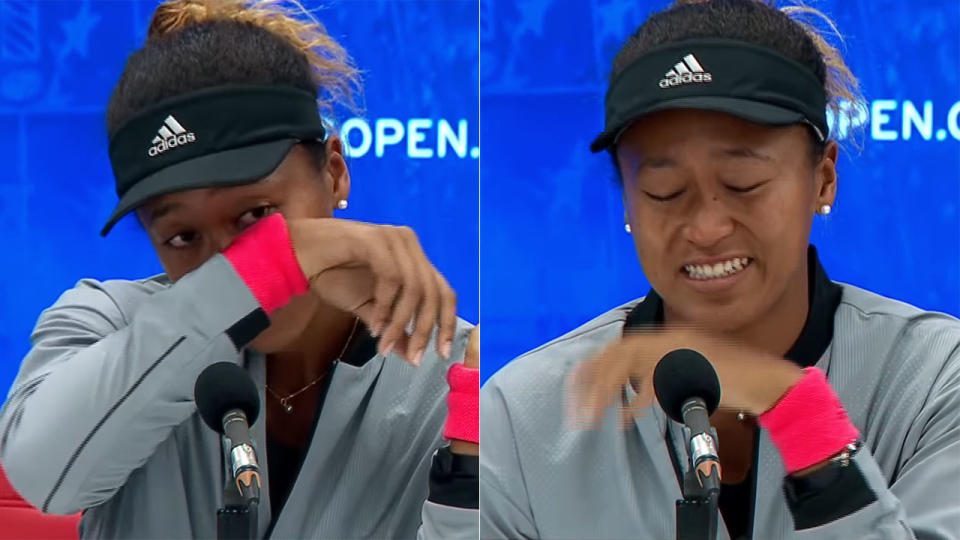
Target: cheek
column 176, row 265
column 782, row 220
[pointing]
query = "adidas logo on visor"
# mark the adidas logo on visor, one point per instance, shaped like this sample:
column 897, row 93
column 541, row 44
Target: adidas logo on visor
column 170, row 135
column 686, row 71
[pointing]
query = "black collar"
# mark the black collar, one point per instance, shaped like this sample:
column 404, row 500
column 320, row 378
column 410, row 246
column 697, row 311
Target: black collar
column 824, row 297
column 361, row 349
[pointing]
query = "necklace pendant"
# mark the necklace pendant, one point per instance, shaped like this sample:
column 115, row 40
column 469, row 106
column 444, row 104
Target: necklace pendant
column 740, row 416
column 286, row 406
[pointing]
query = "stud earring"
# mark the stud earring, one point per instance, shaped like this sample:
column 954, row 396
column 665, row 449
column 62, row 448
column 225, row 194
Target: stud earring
column 626, row 227
column 342, row 204
column 825, row 209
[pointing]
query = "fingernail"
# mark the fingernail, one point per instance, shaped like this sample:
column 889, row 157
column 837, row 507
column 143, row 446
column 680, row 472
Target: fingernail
column 445, row 349
column 386, row 349
column 417, row 358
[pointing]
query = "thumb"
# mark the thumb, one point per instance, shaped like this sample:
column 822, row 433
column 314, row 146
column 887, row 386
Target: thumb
column 471, row 358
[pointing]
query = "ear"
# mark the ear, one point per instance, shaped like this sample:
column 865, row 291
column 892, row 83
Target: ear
column 336, row 169
column 826, row 176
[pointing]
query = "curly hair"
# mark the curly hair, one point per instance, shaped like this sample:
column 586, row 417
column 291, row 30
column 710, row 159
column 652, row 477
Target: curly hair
column 195, row 44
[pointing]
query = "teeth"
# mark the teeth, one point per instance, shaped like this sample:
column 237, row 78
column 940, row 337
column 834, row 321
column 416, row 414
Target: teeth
column 718, row 270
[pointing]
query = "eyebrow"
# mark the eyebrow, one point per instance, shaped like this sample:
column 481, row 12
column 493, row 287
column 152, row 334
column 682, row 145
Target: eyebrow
column 656, row 163
column 744, row 152
column 162, row 210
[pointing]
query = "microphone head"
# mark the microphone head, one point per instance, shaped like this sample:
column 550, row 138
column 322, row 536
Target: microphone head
column 222, row 387
column 681, row 375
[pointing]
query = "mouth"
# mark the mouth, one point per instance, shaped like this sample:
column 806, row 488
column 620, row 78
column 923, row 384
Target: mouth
column 718, row 269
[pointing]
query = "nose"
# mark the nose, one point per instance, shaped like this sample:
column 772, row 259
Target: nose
column 710, row 222
column 221, row 239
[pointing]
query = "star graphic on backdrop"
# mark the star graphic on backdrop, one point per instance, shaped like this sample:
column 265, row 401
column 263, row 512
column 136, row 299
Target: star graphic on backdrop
column 531, row 15
column 614, row 18
column 77, row 31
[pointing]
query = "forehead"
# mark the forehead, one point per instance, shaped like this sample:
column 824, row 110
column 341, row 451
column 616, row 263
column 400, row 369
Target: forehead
column 685, row 127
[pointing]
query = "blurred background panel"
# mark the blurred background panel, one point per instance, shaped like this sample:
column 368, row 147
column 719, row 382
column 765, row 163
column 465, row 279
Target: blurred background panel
column 554, row 252
column 414, row 149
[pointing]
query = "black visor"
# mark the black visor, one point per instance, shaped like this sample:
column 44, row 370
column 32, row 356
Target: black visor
column 213, row 137
column 729, row 76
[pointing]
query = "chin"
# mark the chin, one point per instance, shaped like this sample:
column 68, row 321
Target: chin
column 271, row 341
column 287, row 324
column 718, row 317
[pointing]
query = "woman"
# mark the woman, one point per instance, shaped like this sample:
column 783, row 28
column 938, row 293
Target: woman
column 217, row 144
column 838, row 407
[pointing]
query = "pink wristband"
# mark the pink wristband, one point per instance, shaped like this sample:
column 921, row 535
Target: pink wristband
column 463, row 404
column 263, row 256
column 809, row 424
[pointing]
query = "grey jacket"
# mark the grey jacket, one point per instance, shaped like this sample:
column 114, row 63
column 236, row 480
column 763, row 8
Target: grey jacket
column 101, row 418
column 896, row 369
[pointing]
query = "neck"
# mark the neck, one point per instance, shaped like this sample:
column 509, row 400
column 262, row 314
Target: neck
column 311, row 355
column 777, row 330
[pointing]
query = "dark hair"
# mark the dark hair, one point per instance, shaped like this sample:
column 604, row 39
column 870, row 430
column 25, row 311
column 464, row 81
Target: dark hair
column 195, row 44
column 758, row 22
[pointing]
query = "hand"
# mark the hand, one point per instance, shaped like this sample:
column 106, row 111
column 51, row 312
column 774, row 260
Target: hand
column 471, row 359
column 750, row 380
column 380, row 274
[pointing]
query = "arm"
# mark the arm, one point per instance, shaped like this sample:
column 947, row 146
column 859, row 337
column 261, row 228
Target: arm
column 97, row 393
column 923, row 502
column 101, row 389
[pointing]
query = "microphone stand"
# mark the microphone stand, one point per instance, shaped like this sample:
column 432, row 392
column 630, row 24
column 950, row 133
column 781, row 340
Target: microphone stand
column 697, row 510
column 237, row 518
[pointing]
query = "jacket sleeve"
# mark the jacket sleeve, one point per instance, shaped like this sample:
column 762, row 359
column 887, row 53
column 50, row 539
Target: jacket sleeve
column 101, row 389
column 452, row 508
column 441, row 522
column 503, row 493
column 923, row 502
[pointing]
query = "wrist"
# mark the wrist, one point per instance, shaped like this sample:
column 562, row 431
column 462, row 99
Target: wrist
column 264, row 258
column 464, row 448
column 300, row 245
column 808, row 425
column 772, row 384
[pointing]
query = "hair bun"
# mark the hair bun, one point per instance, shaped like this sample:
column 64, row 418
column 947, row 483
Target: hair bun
column 175, row 15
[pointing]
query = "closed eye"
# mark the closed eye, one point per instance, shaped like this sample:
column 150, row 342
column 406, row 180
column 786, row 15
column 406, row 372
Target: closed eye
column 664, row 198
column 746, row 189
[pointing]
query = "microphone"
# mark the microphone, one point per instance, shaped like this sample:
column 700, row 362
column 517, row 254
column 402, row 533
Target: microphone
column 229, row 403
column 688, row 390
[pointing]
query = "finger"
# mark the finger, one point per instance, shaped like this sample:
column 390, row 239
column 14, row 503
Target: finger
column 428, row 311
column 387, row 282
column 367, row 314
column 611, row 370
column 575, row 398
column 411, row 293
column 584, row 385
column 448, row 319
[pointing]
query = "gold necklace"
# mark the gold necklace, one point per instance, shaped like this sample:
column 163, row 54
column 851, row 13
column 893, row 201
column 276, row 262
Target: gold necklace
column 285, row 401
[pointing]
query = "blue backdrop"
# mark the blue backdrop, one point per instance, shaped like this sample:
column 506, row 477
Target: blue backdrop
column 553, row 250
column 415, row 150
